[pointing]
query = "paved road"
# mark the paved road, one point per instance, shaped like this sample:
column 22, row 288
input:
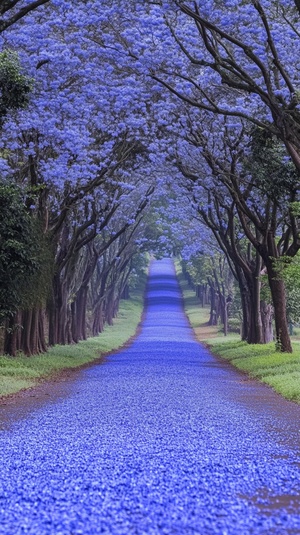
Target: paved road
column 160, row 439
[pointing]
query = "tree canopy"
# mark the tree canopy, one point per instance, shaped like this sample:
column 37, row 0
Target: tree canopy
column 168, row 126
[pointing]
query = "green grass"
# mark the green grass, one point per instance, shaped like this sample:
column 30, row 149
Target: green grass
column 281, row 371
column 21, row 372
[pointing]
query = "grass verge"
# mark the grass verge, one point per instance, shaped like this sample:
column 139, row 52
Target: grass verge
column 281, row 371
column 21, row 372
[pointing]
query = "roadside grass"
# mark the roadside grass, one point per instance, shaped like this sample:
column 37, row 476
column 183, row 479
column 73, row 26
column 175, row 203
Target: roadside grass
column 281, row 371
column 21, row 372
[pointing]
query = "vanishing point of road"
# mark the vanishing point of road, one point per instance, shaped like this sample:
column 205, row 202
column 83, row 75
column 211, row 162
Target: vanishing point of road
column 162, row 438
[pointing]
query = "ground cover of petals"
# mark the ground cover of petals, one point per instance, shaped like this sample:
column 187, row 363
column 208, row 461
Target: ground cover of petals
column 160, row 439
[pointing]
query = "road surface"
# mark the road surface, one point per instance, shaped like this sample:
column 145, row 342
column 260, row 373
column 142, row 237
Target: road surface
column 160, row 439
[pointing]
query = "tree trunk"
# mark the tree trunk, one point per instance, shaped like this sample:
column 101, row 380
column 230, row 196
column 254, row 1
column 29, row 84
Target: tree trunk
column 57, row 313
column 283, row 342
column 10, row 343
column 266, row 311
column 125, row 293
column 34, row 331
column 109, row 311
column 249, row 285
column 41, row 328
column 98, row 323
column 69, row 330
column 81, row 304
column 26, row 335
column 74, row 322
column 213, row 307
column 225, row 322
column 255, row 335
column 246, row 314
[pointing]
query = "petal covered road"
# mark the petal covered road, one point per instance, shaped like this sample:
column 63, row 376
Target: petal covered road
column 160, row 439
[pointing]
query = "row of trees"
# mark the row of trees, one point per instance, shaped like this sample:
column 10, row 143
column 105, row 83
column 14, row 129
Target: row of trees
column 73, row 202
column 232, row 70
column 197, row 102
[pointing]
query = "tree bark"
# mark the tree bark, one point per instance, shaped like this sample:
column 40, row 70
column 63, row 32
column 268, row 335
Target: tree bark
column 213, row 319
column 267, row 315
column 277, row 287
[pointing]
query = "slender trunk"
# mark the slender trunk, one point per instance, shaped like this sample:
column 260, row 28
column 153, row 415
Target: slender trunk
column 109, row 312
column 41, row 329
column 84, row 319
column 246, row 315
column 74, row 322
column 246, row 304
column 267, row 316
column 81, row 305
column 69, row 335
column 225, row 322
column 27, row 333
column 34, row 346
column 53, row 308
column 213, row 307
column 125, row 293
column 51, row 323
column 116, row 307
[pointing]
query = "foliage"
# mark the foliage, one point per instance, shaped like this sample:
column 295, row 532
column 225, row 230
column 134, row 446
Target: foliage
column 188, row 99
column 199, row 268
column 275, row 174
column 289, row 270
column 140, row 262
column 19, row 250
column 15, row 87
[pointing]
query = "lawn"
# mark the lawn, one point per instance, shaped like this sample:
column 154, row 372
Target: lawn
column 21, row 372
column 281, row 371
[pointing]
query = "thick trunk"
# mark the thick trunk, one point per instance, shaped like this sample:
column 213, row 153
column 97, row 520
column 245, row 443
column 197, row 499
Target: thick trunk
column 11, row 336
column 109, row 309
column 33, row 333
column 278, row 293
column 25, row 333
column 252, row 331
column 98, row 323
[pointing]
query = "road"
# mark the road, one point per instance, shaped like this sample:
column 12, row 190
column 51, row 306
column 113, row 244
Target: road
column 160, row 439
